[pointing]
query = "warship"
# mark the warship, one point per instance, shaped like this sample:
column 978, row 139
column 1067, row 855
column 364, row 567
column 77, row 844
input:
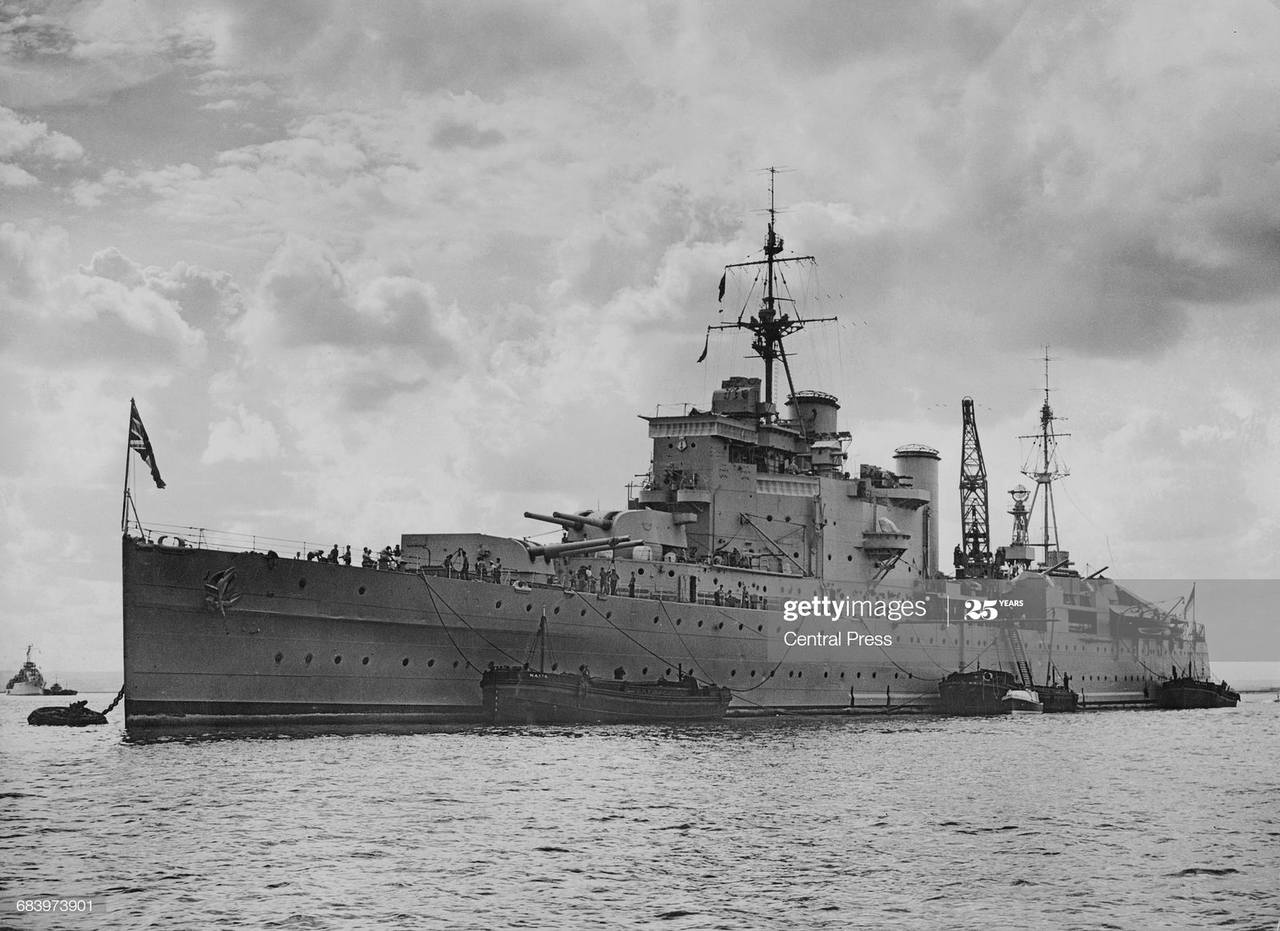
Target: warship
column 748, row 515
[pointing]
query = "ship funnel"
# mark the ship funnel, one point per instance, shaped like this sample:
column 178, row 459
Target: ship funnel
column 920, row 463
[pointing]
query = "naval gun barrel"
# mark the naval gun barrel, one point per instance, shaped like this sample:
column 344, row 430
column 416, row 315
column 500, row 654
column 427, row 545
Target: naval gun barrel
column 564, row 520
column 602, row 522
column 582, row 547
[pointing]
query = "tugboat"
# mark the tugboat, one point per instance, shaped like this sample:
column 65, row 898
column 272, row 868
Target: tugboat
column 522, row 695
column 1183, row 690
column 27, row 681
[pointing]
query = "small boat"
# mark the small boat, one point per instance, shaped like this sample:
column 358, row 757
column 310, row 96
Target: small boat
column 1021, row 701
column 77, row 714
column 995, row 691
column 57, row 689
column 28, row 680
column 523, row 695
column 978, row 692
column 1184, row 690
column 1058, row 698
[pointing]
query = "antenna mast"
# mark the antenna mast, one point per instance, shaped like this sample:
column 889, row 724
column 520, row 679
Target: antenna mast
column 770, row 326
column 1045, row 469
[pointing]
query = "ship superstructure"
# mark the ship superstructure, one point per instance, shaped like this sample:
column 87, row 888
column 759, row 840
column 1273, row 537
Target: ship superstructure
column 746, row 506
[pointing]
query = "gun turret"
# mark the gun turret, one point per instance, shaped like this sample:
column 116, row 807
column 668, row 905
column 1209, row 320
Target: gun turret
column 581, row 547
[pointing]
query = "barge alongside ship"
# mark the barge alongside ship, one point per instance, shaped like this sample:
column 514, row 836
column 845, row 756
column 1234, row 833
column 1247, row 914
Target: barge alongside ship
column 747, row 505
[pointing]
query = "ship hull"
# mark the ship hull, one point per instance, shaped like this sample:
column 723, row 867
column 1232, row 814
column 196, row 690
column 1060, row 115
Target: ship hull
column 25, row 688
column 215, row 638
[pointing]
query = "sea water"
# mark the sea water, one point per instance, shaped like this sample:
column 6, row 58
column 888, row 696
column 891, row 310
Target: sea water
column 1120, row 819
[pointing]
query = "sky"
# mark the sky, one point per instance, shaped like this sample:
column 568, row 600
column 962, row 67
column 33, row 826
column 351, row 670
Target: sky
column 372, row 269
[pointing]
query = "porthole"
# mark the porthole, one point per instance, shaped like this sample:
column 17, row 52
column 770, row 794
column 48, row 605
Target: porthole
column 307, row 659
column 302, row 583
column 528, row 607
column 497, row 604
column 360, row 590
column 582, row 613
column 760, row 627
column 850, row 557
column 554, row 666
column 337, row 660
column 842, row 675
column 557, row 610
column 768, row 517
column 607, row 615
column 455, row 664
column 645, row 671
column 679, row 622
column 430, row 663
column 825, row 674
column 365, row 661
column 732, row 673
column 753, row 673
column 405, row 661
column 279, row 657
column 800, row 674
column 791, row 673
column 640, row 571
column 699, row 623
column 668, row 670
column 858, row 675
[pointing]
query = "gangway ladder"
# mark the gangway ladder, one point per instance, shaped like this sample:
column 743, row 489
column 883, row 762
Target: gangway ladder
column 1019, row 653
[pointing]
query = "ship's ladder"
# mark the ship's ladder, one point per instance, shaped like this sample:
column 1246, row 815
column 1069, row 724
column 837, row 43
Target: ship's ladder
column 1019, row 653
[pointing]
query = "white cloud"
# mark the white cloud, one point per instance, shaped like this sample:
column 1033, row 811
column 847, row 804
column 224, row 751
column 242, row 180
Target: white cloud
column 245, row 437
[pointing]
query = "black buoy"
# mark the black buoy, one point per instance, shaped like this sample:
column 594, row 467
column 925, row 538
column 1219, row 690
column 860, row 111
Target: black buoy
column 77, row 714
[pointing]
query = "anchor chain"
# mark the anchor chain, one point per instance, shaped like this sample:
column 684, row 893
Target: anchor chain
column 119, row 695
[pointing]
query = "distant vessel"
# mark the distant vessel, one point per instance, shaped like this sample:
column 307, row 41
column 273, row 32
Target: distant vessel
column 1186, row 691
column 57, row 689
column 28, row 680
column 522, row 695
column 748, row 502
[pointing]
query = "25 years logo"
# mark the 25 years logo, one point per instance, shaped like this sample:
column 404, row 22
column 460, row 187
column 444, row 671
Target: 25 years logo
column 977, row 609
column 987, row 609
